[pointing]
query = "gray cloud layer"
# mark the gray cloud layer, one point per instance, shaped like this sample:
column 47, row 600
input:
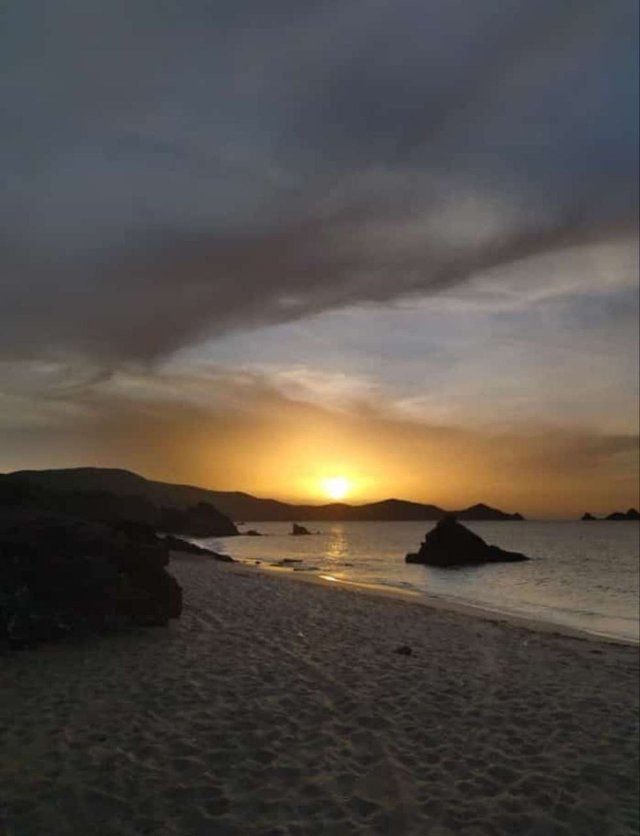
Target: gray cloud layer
column 181, row 169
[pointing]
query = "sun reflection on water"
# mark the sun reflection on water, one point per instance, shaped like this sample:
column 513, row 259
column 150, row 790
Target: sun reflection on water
column 337, row 548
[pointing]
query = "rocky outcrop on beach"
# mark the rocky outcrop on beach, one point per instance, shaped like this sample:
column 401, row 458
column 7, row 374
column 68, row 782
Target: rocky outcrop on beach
column 201, row 520
column 60, row 575
column 299, row 530
column 450, row 543
column 177, row 544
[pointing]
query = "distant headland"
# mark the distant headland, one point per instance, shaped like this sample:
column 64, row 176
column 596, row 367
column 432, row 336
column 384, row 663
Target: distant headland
column 616, row 516
column 237, row 506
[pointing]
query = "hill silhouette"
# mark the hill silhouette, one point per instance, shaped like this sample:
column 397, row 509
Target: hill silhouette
column 238, row 505
column 120, row 497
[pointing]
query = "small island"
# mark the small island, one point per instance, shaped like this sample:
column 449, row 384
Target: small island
column 616, row 516
column 451, row 544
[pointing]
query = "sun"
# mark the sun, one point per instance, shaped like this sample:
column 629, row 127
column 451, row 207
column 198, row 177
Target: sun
column 336, row 487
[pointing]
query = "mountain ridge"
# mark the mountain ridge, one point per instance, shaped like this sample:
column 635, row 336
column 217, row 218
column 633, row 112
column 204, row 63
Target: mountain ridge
column 239, row 505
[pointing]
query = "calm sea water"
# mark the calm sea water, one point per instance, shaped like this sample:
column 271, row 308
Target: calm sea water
column 583, row 575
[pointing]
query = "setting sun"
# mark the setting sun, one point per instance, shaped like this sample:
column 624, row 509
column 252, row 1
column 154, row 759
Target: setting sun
column 336, row 487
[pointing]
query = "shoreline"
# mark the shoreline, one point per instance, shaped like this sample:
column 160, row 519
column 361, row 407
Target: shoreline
column 566, row 586
column 429, row 600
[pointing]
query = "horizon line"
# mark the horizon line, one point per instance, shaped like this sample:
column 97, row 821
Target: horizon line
column 312, row 504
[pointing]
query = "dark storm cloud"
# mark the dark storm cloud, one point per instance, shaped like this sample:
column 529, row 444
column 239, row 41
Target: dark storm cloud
column 181, row 169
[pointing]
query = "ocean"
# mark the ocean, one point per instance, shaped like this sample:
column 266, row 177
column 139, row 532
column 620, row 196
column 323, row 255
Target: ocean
column 581, row 575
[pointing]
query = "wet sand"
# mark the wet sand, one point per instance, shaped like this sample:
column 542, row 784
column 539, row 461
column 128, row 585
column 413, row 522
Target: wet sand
column 276, row 707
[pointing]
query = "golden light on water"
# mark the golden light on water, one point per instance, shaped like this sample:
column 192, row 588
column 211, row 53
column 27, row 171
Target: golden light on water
column 336, row 487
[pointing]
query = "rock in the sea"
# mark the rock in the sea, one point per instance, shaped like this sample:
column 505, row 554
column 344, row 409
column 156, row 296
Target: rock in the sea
column 59, row 575
column 587, row 517
column 298, row 530
column 616, row 516
column 631, row 514
column 252, row 533
column 451, row 544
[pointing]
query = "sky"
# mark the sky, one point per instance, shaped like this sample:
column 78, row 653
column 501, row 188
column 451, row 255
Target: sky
column 255, row 245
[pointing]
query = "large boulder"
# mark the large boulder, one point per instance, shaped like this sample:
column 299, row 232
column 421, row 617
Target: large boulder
column 177, row 544
column 299, row 530
column 201, row 520
column 587, row 517
column 60, row 575
column 451, row 544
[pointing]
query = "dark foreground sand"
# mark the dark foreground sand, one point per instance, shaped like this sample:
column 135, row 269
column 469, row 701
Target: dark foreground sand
column 276, row 707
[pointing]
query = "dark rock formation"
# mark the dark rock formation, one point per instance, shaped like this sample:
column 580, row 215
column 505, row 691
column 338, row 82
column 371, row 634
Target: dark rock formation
column 177, row 544
column 587, row 517
column 60, row 575
column 201, row 520
column 252, row 533
column 631, row 514
column 298, row 530
column 451, row 544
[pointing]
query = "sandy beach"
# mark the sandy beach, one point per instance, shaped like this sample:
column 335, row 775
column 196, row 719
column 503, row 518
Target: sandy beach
column 281, row 707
